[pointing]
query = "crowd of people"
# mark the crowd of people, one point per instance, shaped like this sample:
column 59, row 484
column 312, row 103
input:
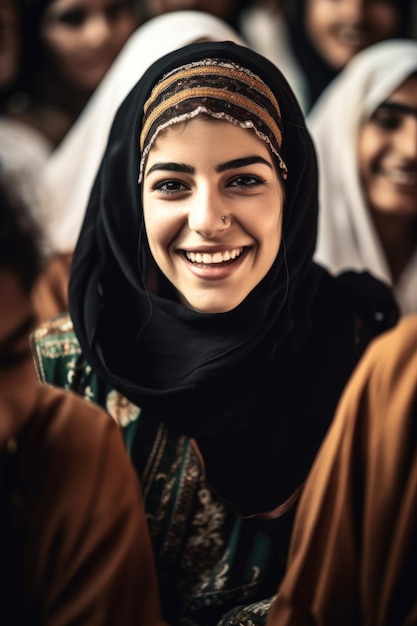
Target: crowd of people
column 208, row 312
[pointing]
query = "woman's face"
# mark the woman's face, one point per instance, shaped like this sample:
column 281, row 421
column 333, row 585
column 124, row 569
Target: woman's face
column 213, row 207
column 339, row 29
column 220, row 8
column 387, row 154
column 83, row 38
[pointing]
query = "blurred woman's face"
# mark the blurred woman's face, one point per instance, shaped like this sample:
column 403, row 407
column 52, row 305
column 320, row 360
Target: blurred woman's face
column 213, row 203
column 220, row 8
column 387, row 154
column 83, row 38
column 338, row 29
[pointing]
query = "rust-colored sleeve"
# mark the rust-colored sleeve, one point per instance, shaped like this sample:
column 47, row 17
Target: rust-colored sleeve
column 353, row 553
column 89, row 557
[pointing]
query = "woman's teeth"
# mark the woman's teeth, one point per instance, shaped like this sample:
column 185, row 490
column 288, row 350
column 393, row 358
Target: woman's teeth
column 218, row 257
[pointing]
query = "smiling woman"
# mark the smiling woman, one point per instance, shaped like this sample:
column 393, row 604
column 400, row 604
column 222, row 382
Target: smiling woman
column 222, row 183
column 365, row 131
column 193, row 293
column 216, row 218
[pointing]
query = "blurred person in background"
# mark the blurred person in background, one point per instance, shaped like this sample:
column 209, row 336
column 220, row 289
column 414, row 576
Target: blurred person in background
column 53, row 55
column 68, row 46
column 365, row 131
column 353, row 552
column 312, row 40
column 231, row 11
column 74, row 541
column 23, row 150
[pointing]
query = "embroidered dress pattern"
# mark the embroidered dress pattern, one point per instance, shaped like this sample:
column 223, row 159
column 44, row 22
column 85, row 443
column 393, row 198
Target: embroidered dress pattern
column 197, row 541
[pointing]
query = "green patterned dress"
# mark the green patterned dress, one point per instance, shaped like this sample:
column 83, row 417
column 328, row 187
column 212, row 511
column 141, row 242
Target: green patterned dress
column 214, row 567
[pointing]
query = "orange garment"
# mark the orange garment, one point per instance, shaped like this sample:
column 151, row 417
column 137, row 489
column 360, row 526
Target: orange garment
column 353, row 555
column 74, row 541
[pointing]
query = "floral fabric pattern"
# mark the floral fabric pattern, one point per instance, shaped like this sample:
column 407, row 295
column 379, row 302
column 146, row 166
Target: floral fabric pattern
column 210, row 561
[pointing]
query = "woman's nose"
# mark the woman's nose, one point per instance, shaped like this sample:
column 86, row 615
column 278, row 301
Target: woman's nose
column 354, row 10
column 97, row 30
column 209, row 215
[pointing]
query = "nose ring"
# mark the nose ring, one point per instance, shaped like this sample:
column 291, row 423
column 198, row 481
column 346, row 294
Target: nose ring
column 224, row 219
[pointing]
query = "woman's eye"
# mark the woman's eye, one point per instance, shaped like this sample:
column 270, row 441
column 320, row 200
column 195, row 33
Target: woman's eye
column 246, row 181
column 387, row 121
column 170, row 187
column 73, row 18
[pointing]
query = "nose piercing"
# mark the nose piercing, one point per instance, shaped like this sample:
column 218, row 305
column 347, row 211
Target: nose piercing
column 224, row 219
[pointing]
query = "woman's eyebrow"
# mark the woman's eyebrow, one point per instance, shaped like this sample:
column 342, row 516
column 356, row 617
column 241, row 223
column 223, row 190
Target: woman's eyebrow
column 228, row 165
column 171, row 167
column 250, row 160
column 399, row 107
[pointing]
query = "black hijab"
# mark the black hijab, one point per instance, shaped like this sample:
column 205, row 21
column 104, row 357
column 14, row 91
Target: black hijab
column 233, row 381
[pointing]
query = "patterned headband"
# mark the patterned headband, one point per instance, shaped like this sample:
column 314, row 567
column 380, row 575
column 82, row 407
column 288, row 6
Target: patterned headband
column 221, row 89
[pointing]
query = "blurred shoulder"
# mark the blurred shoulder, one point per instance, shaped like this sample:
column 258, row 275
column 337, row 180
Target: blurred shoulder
column 395, row 349
column 66, row 421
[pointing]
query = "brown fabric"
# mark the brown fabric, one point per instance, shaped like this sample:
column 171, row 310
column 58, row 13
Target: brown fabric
column 353, row 557
column 50, row 294
column 77, row 522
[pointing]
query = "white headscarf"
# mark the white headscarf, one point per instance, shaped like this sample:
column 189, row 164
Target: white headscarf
column 347, row 238
column 68, row 176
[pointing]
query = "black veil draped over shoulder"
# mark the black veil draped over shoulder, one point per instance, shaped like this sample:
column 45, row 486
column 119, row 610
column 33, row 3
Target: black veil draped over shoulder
column 255, row 387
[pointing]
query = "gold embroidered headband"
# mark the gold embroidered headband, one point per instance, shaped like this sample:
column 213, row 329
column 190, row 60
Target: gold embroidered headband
column 221, row 89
